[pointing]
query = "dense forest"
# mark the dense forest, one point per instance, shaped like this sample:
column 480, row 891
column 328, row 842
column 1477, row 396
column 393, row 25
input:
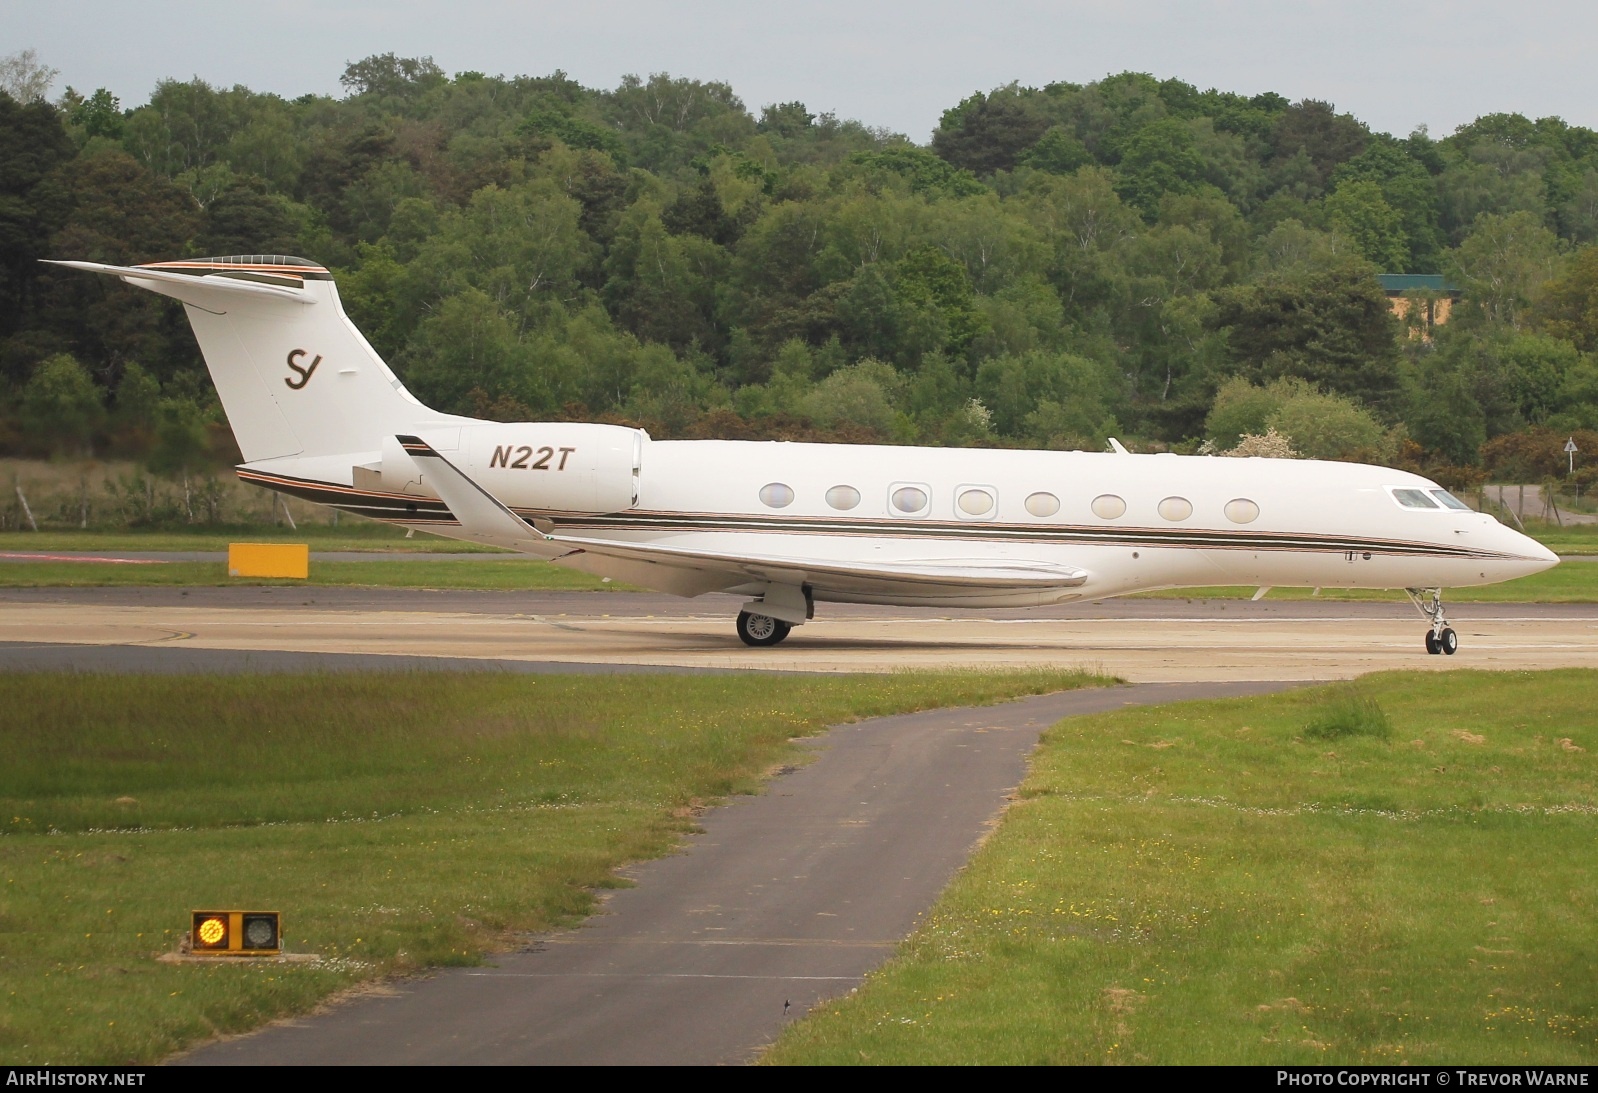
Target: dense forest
column 1184, row 269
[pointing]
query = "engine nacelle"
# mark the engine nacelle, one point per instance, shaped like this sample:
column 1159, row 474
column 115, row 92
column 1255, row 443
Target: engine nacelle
column 560, row 467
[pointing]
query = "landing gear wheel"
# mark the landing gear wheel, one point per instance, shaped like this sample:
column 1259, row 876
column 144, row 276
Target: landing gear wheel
column 1441, row 637
column 761, row 629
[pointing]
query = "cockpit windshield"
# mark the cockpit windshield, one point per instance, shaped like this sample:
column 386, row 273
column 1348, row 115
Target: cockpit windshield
column 1434, row 499
column 1414, row 499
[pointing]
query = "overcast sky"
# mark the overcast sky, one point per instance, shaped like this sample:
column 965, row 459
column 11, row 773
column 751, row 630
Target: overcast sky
column 888, row 63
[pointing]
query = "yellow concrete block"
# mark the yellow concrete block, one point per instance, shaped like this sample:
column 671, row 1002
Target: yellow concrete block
column 268, row 560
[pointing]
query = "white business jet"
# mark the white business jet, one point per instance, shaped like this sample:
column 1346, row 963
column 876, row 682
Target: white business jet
column 318, row 415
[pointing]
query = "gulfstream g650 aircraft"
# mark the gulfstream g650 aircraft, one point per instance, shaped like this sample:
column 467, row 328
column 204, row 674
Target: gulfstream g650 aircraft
column 318, row 415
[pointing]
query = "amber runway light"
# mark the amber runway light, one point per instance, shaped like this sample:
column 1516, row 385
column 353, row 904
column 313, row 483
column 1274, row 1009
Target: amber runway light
column 236, row 933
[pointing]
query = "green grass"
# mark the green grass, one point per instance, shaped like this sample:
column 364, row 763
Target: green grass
column 510, row 575
column 1573, row 582
column 1574, row 539
column 349, row 535
column 396, row 820
column 1210, row 883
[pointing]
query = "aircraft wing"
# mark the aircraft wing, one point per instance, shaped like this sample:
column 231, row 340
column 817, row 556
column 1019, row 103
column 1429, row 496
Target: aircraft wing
column 790, row 569
column 484, row 518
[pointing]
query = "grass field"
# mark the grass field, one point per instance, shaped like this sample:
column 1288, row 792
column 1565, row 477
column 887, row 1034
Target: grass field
column 1576, row 539
column 397, row 821
column 1572, row 582
column 513, row 574
column 351, row 534
column 1401, row 873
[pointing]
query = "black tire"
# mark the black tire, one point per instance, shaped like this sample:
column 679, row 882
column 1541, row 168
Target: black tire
column 1448, row 641
column 761, row 629
column 1432, row 645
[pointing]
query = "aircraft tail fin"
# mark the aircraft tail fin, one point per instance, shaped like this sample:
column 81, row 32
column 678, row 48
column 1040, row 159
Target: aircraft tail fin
column 295, row 376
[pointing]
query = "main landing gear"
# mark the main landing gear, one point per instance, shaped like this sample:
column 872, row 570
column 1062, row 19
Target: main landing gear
column 764, row 630
column 1441, row 637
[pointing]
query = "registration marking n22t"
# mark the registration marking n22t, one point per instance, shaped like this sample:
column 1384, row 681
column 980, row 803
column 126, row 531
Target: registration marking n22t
column 304, row 372
column 516, row 458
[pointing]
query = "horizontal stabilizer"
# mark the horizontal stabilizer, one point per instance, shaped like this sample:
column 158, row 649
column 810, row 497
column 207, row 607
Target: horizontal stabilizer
column 944, row 573
column 191, row 289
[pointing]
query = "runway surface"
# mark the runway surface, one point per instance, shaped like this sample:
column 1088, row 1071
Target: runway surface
column 1150, row 640
column 786, row 899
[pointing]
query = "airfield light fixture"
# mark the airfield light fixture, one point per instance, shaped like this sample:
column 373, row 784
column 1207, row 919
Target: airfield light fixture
column 236, row 933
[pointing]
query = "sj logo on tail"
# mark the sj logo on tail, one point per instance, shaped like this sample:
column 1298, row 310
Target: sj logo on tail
column 303, row 372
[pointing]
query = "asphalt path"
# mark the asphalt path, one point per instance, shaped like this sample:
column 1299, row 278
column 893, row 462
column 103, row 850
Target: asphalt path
column 785, row 900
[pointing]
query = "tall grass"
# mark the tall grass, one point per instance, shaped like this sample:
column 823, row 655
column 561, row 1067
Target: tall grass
column 1348, row 711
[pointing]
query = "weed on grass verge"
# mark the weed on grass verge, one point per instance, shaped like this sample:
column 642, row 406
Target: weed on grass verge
column 1349, row 711
column 1210, row 883
column 398, row 821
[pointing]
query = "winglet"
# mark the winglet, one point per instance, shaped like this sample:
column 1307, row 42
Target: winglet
column 483, row 516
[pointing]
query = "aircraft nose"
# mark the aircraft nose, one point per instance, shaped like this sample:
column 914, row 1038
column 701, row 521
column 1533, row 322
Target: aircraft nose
column 1532, row 551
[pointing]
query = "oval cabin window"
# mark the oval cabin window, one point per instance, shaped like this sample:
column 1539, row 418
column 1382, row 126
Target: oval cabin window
column 1043, row 504
column 843, row 498
column 975, row 502
column 909, row 499
column 1240, row 510
column 1107, row 506
column 1176, row 508
column 776, row 495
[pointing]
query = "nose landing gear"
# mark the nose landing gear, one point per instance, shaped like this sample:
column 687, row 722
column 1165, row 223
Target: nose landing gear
column 1441, row 637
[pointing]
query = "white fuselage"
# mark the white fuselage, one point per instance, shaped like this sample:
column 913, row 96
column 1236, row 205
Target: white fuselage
column 1185, row 520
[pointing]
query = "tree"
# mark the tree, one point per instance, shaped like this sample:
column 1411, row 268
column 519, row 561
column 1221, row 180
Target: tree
column 988, row 133
column 1158, row 159
column 123, row 215
column 1503, row 263
column 61, row 406
column 246, row 219
column 930, row 285
column 1318, row 135
column 33, row 144
column 1331, row 327
column 99, row 115
column 1314, row 423
column 1569, row 304
column 24, row 77
column 386, row 76
column 1358, row 210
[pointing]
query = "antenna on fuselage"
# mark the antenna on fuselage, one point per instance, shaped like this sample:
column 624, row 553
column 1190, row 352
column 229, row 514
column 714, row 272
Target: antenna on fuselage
column 1117, row 447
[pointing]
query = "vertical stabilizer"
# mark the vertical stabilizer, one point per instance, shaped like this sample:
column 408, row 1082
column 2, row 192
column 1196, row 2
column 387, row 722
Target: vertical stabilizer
column 295, row 376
